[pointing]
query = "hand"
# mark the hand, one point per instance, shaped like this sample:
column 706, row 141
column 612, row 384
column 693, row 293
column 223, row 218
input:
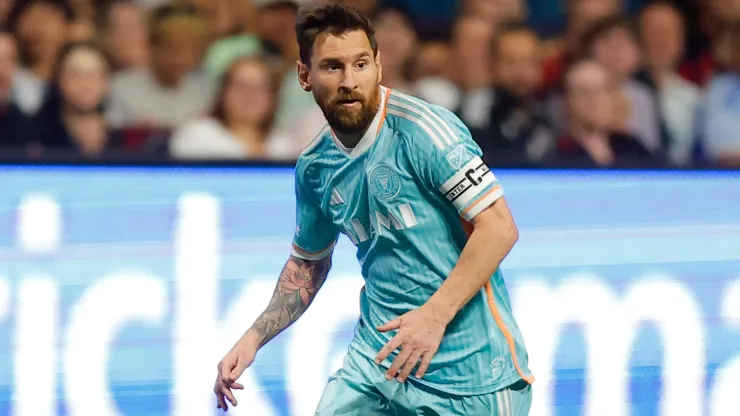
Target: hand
column 419, row 334
column 230, row 369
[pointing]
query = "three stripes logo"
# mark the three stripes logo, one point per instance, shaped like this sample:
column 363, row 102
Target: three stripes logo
column 336, row 199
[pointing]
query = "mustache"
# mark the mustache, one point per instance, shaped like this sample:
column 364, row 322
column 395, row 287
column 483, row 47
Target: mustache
column 348, row 97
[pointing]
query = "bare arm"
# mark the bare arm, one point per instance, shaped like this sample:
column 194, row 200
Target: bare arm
column 299, row 282
column 494, row 234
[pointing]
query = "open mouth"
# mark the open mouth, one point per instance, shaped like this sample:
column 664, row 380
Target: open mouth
column 350, row 102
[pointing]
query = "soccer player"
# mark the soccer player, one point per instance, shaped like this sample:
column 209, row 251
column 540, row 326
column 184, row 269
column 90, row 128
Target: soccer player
column 405, row 182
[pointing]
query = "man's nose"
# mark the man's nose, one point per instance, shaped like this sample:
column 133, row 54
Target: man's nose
column 349, row 81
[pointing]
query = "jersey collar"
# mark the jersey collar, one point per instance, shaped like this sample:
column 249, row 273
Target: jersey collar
column 372, row 132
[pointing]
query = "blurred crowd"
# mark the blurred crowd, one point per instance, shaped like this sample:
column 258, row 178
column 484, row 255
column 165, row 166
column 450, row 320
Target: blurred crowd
column 215, row 79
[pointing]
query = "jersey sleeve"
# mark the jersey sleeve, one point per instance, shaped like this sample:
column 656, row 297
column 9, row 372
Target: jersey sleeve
column 315, row 235
column 450, row 163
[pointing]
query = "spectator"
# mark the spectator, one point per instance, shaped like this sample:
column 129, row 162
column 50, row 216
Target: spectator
column 277, row 31
column 613, row 43
column 396, row 41
column 366, row 7
column 662, row 30
column 431, row 71
column 41, row 28
column 13, row 123
column 71, row 119
column 720, row 135
column 240, row 125
column 507, row 120
column 471, row 45
column 713, row 16
column 581, row 15
column 169, row 94
column 244, row 41
column 122, row 25
column 498, row 12
column 590, row 139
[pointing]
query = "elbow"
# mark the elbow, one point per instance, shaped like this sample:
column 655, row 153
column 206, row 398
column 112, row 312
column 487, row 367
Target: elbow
column 506, row 234
column 511, row 234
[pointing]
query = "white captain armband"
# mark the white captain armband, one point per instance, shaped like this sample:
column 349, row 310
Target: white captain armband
column 468, row 183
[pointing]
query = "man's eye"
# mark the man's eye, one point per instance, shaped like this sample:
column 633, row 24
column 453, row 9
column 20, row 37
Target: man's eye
column 333, row 67
column 361, row 65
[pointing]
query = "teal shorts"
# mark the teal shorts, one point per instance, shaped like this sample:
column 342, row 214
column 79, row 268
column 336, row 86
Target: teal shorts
column 359, row 388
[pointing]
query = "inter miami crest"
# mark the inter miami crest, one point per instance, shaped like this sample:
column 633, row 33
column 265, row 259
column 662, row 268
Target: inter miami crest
column 384, row 182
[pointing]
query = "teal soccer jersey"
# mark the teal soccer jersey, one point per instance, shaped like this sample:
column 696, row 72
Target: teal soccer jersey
column 404, row 196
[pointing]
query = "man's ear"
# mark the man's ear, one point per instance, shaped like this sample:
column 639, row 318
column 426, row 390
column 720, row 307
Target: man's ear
column 380, row 67
column 303, row 76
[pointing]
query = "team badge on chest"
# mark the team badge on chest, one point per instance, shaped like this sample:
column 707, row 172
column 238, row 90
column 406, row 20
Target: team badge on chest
column 384, row 182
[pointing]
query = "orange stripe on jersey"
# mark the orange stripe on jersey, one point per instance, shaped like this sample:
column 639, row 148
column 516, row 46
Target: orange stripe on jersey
column 480, row 198
column 491, row 300
column 505, row 330
column 385, row 107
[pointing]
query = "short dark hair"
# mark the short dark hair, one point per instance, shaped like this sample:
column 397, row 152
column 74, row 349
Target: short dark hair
column 163, row 14
column 606, row 25
column 334, row 19
column 21, row 6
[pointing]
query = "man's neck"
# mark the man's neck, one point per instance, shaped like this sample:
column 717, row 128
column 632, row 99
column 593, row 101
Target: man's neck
column 351, row 140
column 167, row 81
column 42, row 69
column 660, row 76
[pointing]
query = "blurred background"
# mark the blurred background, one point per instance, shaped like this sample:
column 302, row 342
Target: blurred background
column 539, row 83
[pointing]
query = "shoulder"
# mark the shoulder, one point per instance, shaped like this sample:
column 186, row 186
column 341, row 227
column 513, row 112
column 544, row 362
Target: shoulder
column 312, row 152
column 422, row 124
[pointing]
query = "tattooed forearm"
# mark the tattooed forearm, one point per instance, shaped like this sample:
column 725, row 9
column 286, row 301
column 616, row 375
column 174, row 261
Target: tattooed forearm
column 296, row 289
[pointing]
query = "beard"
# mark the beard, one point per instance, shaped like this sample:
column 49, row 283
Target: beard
column 354, row 119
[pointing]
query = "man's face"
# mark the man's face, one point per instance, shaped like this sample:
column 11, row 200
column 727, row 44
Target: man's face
column 344, row 77
column 727, row 10
column 128, row 35
column 618, row 52
column 584, row 12
column 396, row 39
column 518, row 66
column 662, row 32
column 42, row 30
column 8, row 63
column 589, row 95
column 176, row 53
column 471, row 41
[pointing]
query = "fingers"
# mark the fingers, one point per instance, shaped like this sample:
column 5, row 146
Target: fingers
column 389, row 326
column 224, row 370
column 397, row 363
column 391, row 346
column 220, row 398
column 229, row 395
column 426, row 359
column 409, row 365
